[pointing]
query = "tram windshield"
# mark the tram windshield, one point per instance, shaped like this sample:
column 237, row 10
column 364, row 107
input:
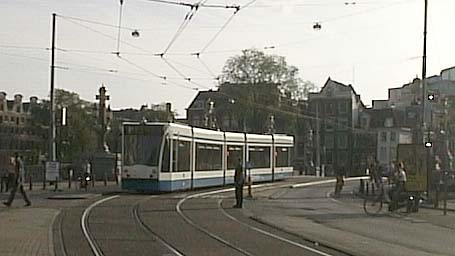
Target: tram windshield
column 142, row 144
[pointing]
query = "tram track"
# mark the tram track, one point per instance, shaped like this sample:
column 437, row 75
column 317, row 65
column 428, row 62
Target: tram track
column 95, row 248
column 250, row 227
column 174, row 247
column 147, row 229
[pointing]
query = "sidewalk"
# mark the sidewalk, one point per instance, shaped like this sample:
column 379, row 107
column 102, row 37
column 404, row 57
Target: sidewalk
column 29, row 230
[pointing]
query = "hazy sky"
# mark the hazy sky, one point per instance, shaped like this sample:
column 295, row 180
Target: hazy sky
column 374, row 44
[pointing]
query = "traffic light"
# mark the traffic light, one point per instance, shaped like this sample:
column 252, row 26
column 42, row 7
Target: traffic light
column 428, row 144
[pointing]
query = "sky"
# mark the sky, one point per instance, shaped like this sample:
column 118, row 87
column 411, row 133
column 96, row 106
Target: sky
column 372, row 44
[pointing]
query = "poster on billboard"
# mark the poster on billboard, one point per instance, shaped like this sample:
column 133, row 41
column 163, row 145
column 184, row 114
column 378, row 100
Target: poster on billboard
column 52, row 170
column 413, row 157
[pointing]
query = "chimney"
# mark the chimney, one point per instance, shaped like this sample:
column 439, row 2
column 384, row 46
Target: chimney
column 33, row 100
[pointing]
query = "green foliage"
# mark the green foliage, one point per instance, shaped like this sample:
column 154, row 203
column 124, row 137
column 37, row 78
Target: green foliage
column 262, row 86
column 256, row 67
column 79, row 134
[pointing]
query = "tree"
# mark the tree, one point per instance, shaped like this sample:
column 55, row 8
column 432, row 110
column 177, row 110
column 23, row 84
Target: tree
column 256, row 67
column 78, row 135
column 264, row 88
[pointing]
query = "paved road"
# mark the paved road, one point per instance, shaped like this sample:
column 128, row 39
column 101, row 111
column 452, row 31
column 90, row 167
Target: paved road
column 175, row 224
column 313, row 213
column 277, row 221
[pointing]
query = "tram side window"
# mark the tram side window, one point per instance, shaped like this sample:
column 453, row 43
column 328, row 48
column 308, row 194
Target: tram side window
column 259, row 157
column 282, row 156
column 234, row 153
column 181, row 153
column 208, row 157
column 166, row 157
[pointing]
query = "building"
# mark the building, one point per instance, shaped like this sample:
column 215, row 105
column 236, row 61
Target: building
column 341, row 139
column 203, row 112
column 392, row 129
column 17, row 134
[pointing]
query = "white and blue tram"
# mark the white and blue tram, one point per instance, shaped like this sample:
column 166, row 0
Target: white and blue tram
column 163, row 157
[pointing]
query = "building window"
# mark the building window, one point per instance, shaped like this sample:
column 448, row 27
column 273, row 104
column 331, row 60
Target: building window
column 328, row 157
column 343, row 124
column 342, row 141
column 199, row 104
column 329, row 108
column 342, row 158
column 328, row 125
column 384, row 136
column 393, row 153
column 343, row 107
column 196, row 120
column 329, row 141
column 393, row 136
column 382, row 154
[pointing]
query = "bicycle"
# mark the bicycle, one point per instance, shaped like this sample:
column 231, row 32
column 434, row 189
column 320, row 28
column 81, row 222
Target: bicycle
column 374, row 198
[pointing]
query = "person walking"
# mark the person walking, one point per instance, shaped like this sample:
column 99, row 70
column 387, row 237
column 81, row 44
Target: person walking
column 340, row 173
column 239, row 180
column 19, row 178
column 3, row 180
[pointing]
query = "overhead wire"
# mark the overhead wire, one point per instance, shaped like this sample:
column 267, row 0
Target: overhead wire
column 105, row 35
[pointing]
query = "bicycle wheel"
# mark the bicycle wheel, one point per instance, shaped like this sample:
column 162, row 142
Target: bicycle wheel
column 372, row 204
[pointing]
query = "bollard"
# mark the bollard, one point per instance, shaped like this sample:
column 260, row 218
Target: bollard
column 372, row 189
column 105, row 179
column 250, row 193
column 44, row 180
column 445, row 198
column 70, row 177
column 436, row 200
column 56, row 184
column 93, row 180
column 362, row 187
column 367, row 188
column 30, row 182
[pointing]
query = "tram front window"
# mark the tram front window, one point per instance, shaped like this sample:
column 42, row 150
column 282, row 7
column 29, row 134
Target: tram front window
column 142, row 145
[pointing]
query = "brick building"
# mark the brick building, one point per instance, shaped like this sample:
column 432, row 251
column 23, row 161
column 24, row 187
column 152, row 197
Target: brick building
column 16, row 132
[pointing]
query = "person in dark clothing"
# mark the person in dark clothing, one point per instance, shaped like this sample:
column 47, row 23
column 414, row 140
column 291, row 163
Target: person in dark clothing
column 18, row 181
column 339, row 181
column 239, row 180
column 4, row 180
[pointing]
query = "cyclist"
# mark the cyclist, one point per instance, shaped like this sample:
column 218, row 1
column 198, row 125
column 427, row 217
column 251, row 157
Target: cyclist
column 400, row 181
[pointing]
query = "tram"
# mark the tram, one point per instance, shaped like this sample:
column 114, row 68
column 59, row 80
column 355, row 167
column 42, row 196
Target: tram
column 165, row 157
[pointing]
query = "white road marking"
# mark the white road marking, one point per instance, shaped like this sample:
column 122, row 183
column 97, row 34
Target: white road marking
column 270, row 234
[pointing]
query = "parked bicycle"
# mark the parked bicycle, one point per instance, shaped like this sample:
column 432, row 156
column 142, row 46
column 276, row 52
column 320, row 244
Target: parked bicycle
column 375, row 197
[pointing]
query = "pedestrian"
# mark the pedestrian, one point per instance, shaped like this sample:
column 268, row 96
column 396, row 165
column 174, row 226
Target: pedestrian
column 19, row 179
column 3, row 180
column 239, row 180
column 340, row 173
column 400, row 182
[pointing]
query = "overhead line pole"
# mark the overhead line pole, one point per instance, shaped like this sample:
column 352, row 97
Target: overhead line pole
column 52, row 132
column 424, row 95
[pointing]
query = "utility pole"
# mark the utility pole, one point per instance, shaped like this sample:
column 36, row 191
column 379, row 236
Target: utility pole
column 318, row 149
column 52, row 132
column 424, row 93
